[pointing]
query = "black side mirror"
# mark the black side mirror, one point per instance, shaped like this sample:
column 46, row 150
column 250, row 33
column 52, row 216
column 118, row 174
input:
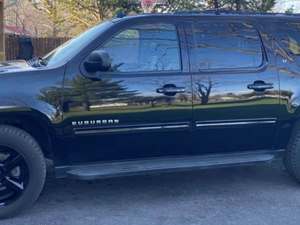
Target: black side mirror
column 97, row 61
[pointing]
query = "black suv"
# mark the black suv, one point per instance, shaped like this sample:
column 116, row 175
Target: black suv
column 152, row 93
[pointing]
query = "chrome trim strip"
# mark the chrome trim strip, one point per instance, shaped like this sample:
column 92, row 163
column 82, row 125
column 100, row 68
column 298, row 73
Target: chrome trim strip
column 175, row 126
column 8, row 107
column 125, row 129
column 161, row 127
column 234, row 123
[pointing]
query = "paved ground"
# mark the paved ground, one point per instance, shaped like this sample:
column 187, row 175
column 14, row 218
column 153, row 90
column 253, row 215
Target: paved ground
column 242, row 196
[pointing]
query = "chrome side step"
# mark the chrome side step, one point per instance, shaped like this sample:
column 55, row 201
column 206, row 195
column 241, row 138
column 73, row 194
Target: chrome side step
column 167, row 164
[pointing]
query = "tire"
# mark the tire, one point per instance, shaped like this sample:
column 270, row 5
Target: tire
column 24, row 145
column 292, row 156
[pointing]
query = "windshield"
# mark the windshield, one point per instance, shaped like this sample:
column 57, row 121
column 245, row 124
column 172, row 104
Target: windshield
column 69, row 49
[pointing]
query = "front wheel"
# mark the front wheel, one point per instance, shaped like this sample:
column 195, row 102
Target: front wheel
column 22, row 170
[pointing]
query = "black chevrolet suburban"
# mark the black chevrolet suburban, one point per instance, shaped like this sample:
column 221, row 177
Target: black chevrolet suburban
column 152, row 93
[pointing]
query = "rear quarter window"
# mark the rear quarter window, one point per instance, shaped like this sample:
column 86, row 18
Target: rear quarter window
column 288, row 35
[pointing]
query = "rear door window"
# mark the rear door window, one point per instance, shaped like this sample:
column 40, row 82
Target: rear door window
column 218, row 46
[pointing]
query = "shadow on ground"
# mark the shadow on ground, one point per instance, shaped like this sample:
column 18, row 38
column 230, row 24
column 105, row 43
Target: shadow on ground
column 249, row 195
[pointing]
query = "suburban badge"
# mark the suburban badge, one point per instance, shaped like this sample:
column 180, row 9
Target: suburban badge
column 95, row 122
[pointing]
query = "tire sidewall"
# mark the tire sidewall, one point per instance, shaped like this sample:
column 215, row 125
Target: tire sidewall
column 26, row 146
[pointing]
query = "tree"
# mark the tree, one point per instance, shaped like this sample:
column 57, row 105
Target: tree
column 290, row 10
column 181, row 5
column 54, row 9
column 24, row 15
column 204, row 90
column 261, row 5
column 85, row 13
column 78, row 15
column 245, row 5
column 214, row 3
column 236, row 5
column 86, row 91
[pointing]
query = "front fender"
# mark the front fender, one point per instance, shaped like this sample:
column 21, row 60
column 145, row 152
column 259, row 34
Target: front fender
column 38, row 92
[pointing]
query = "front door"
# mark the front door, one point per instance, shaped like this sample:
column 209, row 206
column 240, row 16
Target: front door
column 235, row 86
column 141, row 107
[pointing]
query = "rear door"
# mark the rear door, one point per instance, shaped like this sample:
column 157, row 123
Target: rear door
column 235, row 84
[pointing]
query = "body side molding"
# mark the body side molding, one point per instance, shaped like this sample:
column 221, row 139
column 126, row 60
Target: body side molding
column 236, row 122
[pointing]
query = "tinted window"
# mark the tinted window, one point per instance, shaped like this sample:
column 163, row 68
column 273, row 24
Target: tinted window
column 145, row 48
column 75, row 45
column 289, row 36
column 225, row 46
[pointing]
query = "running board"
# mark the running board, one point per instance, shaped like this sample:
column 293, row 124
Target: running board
column 158, row 165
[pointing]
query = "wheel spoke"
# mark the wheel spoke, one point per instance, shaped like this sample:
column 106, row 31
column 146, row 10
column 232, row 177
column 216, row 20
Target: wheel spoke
column 13, row 175
column 12, row 162
column 13, row 184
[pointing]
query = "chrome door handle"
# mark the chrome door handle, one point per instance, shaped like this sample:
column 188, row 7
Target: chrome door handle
column 170, row 90
column 260, row 86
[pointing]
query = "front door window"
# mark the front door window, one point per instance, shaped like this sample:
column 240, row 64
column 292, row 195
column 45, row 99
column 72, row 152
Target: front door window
column 145, row 48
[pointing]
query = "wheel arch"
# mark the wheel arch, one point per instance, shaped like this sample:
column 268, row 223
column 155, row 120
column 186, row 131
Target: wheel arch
column 34, row 123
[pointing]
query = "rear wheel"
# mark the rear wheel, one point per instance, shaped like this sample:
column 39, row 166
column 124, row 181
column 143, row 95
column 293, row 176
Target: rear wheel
column 22, row 170
column 292, row 157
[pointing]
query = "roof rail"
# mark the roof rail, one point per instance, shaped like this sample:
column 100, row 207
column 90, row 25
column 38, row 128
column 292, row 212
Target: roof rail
column 232, row 12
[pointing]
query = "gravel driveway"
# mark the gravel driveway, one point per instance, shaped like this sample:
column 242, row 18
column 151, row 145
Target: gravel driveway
column 250, row 195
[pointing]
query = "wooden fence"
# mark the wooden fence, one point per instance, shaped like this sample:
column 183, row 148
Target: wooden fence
column 41, row 45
